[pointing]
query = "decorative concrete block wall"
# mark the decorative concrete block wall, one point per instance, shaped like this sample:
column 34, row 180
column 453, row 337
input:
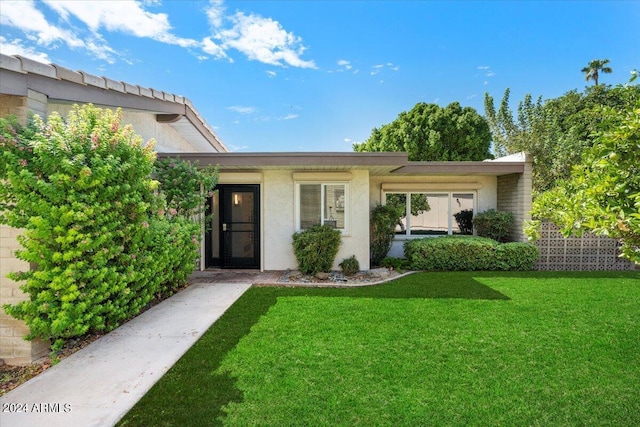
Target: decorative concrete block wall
column 589, row 252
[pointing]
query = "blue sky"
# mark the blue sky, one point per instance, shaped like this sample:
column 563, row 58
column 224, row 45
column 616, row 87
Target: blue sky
column 320, row 75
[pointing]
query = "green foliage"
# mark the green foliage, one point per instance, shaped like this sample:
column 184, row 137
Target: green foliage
column 493, row 224
column 603, row 193
column 185, row 185
column 555, row 131
column 350, row 266
column 398, row 264
column 450, row 253
column 464, row 219
column 595, row 67
column 515, row 256
column 463, row 253
column 382, row 230
column 316, row 248
column 94, row 225
column 429, row 132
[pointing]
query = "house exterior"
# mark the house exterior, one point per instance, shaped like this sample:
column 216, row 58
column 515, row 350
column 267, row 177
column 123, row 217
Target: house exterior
column 263, row 198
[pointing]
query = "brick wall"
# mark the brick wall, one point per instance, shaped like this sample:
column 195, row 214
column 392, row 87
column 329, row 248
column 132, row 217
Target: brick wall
column 514, row 195
column 589, row 252
column 13, row 348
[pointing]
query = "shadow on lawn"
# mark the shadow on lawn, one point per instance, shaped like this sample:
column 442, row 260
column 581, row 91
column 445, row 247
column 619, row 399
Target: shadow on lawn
column 178, row 400
column 205, row 406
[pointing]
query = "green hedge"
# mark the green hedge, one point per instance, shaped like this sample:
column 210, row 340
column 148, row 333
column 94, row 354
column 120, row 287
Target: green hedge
column 316, row 248
column 463, row 253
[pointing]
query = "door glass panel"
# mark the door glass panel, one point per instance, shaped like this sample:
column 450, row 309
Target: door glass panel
column 242, row 207
column 242, row 245
column 215, row 225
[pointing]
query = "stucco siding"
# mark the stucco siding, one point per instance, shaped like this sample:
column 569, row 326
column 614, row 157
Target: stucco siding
column 279, row 223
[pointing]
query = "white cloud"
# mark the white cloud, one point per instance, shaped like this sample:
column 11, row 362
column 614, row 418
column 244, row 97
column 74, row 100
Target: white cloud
column 24, row 16
column 264, row 40
column 347, row 140
column 487, row 71
column 215, row 13
column 271, row 74
column 378, row 68
column 126, row 16
column 214, row 49
column 242, row 110
column 15, row 47
column 289, row 117
column 259, row 38
column 345, row 64
column 237, row 147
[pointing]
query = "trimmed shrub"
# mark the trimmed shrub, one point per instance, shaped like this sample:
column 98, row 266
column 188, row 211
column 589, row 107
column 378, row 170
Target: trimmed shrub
column 398, row 264
column 516, row 256
column 463, row 253
column 464, row 219
column 382, row 230
column 350, row 266
column 316, row 248
column 493, row 224
column 450, row 253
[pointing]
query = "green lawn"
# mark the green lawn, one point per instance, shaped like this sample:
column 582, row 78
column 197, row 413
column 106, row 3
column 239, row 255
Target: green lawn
column 476, row 348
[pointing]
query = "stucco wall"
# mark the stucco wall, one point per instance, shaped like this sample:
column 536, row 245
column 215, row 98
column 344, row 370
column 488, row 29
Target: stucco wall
column 278, row 220
column 168, row 140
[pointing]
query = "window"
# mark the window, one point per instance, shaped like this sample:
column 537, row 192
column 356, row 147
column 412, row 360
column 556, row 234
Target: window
column 322, row 203
column 433, row 214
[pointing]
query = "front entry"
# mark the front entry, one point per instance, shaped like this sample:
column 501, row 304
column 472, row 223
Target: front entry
column 234, row 238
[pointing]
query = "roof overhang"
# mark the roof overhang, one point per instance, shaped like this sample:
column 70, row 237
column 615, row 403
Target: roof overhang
column 389, row 164
column 18, row 75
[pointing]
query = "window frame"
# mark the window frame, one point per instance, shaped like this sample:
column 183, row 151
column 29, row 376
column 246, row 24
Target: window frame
column 407, row 234
column 323, row 184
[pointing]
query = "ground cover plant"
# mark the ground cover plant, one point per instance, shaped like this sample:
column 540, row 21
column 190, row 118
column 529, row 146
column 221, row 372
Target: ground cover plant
column 441, row 348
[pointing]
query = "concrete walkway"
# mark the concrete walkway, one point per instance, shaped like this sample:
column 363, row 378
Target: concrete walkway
column 97, row 385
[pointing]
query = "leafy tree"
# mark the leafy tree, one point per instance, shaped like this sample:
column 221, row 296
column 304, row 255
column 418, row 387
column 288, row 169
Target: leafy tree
column 602, row 194
column 554, row 131
column 592, row 71
column 429, row 132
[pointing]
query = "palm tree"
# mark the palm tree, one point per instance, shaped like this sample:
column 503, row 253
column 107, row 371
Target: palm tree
column 594, row 68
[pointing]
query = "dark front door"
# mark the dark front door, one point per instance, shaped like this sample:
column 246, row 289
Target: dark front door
column 234, row 239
